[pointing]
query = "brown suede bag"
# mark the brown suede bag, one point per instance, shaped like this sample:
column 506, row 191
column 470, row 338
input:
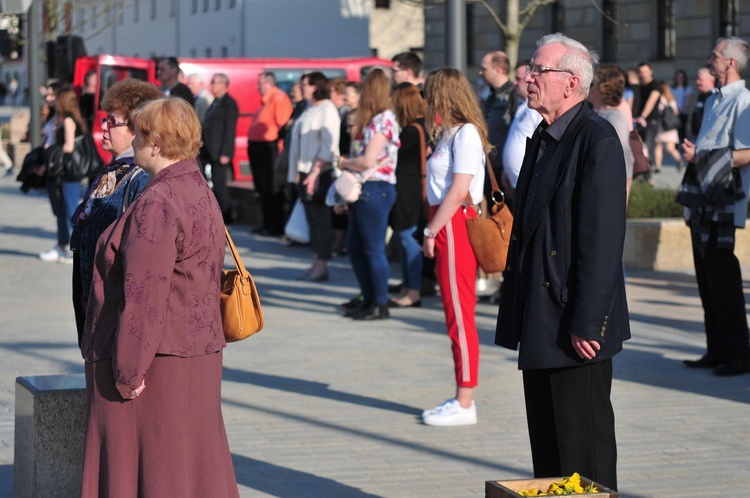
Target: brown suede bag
column 241, row 313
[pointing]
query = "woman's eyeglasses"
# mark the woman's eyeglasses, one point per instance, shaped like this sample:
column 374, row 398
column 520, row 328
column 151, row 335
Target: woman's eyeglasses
column 111, row 122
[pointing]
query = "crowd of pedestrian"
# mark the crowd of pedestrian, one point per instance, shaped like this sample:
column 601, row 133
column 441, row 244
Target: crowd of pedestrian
column 559, row 135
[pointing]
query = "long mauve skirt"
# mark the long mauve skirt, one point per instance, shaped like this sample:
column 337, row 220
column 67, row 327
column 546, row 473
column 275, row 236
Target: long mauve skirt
column 168, row 442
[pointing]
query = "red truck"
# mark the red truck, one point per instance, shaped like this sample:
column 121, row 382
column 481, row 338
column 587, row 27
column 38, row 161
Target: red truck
column 243, row 77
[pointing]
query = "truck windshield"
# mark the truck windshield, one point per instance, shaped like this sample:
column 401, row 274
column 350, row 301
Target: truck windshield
column 286, row 78
column 113, row 74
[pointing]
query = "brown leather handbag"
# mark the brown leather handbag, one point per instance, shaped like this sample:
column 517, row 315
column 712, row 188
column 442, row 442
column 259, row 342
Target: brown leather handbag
column 241, row 313
column 490, row 236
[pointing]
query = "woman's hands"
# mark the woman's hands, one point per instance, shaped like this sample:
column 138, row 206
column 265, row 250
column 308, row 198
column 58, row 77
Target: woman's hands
column 428, row 247
column 313, row 178
column 130, row 392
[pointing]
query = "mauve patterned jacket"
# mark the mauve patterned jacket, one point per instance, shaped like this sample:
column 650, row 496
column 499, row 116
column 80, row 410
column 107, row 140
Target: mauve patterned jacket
column 157, row 274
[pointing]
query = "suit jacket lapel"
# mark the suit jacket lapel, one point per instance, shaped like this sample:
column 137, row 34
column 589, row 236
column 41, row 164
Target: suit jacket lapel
column 556, row 163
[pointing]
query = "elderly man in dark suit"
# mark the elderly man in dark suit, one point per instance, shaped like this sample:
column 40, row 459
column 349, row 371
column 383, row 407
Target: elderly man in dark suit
column 219, row 130
column 563, row 299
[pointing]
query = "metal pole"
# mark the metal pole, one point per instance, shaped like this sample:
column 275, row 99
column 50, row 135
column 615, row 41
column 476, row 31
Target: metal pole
column 455, row 14
column 32, row 54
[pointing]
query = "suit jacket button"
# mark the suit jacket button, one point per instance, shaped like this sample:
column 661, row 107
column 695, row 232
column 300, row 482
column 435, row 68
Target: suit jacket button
column 507, row 267
column 602, row 333
column 553, row 253
column 513, row 237
column 545, row 284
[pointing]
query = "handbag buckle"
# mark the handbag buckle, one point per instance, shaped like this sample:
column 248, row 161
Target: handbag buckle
column 502, row 197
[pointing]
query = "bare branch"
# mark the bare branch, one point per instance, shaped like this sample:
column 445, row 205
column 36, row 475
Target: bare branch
column 493, row 15
column 529, row 11
column 607, row 16
column 532, row 6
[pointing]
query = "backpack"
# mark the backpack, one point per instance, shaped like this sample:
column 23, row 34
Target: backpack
column 669, row 118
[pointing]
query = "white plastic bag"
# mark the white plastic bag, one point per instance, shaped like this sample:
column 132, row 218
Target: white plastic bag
column 296, row 228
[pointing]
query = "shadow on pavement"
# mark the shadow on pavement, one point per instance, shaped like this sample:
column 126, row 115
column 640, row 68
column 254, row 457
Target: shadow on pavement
column 22, row 231
column 381, row 438
column 285, row 482
column 311, row 388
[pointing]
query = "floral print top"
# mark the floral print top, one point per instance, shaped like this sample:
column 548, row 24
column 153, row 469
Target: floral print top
column 384, row 123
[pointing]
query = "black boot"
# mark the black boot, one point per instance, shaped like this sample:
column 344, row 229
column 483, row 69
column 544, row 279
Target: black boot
column 374, row 312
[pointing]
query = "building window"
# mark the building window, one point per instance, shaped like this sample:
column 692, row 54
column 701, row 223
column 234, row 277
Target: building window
column 153, row 9
column 382, row 4
column 218, row 5
column 224, row 52
column 232, row 4
column 208, row 52
column 206, row 5
column 172, row 8
column 195, row 6
column 729, row 13
column 193, row 53
column 609, row 30
column 557, row 11
column 666, row 37
column 93, row 18
column 136, row 10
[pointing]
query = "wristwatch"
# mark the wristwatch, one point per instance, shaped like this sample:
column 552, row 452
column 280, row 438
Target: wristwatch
column 428, row 233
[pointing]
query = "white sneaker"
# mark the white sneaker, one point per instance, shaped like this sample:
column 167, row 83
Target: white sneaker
column 56, row 255
column 450, row 413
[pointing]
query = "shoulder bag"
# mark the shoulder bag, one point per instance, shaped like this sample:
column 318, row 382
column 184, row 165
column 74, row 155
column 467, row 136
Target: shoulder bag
column 490, row 237
column 349, row 184
column 641, row 165
column 241, row 313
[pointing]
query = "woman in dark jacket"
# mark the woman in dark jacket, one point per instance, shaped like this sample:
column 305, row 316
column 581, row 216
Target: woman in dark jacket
column 409, row 107
column 119, row 183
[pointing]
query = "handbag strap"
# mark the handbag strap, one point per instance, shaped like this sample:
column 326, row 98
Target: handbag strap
column 490, row 173
column 235, row 255
column 422, row 158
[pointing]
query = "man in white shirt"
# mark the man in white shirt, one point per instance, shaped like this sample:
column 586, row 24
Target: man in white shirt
column 522, row 127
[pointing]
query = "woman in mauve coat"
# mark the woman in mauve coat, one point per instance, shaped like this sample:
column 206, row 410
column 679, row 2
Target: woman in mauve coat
column 153, row 338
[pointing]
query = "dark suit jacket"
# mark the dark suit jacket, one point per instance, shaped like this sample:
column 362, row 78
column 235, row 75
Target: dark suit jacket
column 564, row 273
column 220, row 128
column 181, row 90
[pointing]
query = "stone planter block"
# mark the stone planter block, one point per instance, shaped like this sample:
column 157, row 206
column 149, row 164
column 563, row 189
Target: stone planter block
column 663, row 244
column 49, row 436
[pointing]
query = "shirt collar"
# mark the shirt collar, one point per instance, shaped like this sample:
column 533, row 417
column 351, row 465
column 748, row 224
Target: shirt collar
column 558, row 127
column 731, row 89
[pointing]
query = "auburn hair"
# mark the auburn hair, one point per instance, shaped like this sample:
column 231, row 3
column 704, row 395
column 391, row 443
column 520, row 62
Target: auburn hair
column 376, row 97
column 408, row 104
column 67, row 103
column 170, row 123
column 451, row 102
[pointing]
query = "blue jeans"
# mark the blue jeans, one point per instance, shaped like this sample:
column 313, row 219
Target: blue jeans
column 411, row 259
column 365, row 239
column 64, row 197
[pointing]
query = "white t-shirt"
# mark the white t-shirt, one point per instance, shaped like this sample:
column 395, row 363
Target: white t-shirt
column 467, row 157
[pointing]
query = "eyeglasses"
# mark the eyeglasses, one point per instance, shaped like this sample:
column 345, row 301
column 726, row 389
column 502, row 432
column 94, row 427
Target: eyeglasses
column 111, row 122
column 536, row 70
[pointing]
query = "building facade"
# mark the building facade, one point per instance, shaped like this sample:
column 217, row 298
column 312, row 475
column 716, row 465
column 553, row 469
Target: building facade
column 670, row 34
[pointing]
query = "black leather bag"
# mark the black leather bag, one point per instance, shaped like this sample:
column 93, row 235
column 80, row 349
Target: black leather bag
column 84, row 161
column 669, row 119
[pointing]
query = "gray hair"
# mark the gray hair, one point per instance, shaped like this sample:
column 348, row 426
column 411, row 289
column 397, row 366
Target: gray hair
column 197, row 77
column 578, row 59
column 737, row 49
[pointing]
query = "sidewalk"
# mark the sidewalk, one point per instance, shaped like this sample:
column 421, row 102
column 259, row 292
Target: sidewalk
column 320, row 406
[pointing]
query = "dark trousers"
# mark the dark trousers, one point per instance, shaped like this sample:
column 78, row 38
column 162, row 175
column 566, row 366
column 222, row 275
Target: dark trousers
column 571, row 422
column 219, row 175
column 720, row 286
column 262, row 158
column 648, row 134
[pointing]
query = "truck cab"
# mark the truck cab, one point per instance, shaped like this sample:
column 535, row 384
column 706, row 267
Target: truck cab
column 243, row 84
